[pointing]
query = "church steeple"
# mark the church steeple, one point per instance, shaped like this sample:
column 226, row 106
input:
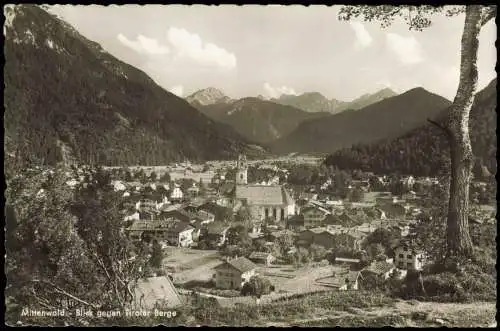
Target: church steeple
column 242, row 170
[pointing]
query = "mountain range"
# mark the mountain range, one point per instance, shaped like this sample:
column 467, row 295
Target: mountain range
column 424, row 150
column 388, row 118
column 66, row 99
column 310, row 102
column 264, row 121
column 258, row 120
column 316, row 102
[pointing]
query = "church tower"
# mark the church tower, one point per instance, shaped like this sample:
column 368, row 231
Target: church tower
column 242, row 170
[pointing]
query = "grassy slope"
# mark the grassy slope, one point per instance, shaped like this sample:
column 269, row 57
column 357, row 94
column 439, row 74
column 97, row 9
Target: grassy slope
column 349, row 309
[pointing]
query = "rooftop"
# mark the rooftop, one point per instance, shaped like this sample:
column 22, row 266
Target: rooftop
column 149, row 291
column 347, row 260
column 160, row 224
column 242, row 264
column 380, row 267
column 273, row 195
column 216, row 227
column 259, row 255
column 314, row 207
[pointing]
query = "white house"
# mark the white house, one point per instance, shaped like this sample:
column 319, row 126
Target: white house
column 314, row 215
column 407, row 257
column 132, row 217
column 176, row 193
column 180, row 234
column 119, row 186
column 408, row 181
column 233, row 273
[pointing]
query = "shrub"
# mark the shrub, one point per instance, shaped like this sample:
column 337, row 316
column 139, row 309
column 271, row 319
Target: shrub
column 257, row 286
column 468, row 283
column 317, row 252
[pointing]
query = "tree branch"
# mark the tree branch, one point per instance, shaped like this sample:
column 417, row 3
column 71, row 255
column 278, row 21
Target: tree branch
column 489, row 13
column 63, row 292
column 409, row 14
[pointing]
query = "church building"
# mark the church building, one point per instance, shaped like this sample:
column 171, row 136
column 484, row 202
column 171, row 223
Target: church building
column 264, row 201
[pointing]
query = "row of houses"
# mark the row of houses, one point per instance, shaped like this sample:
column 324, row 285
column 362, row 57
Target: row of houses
column 315, row 214
column 181, row 225
column 235, row 272
column 329, row 239
column 170, row 230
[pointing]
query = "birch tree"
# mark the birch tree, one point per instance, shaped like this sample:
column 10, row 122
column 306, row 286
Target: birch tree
column 456, row 127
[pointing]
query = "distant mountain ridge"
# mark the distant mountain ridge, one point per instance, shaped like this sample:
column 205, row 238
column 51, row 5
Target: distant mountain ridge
column 311, row 102
column 208, row 96
column 258, row 120
column 368, row 99
column 316, row 102
column 68, row 99
column 390, row 117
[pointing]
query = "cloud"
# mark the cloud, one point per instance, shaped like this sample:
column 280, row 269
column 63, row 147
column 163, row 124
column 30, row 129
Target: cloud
column 178, row 90
column 276, row 92
column 144, row 45
column 189, row 45
column 407, row 49
column 363, row 38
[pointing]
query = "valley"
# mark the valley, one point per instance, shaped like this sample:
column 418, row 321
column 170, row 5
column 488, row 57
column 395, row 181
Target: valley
column 227, row 166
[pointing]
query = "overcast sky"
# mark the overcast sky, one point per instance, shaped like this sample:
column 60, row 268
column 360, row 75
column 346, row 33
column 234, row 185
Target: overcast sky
column 269, row 50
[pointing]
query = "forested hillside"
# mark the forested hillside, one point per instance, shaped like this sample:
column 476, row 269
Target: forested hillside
column 259, row 120
column 421, row 151
column 386, row 119
column 67, row 99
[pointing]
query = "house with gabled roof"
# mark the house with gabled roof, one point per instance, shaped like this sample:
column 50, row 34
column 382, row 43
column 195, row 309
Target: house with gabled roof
column 176, row 194
column 217, row 232
column 314, row 215
column 179, row 214
column 175, row 232
column 344, row 280
column 233, row 273
column 409, row 256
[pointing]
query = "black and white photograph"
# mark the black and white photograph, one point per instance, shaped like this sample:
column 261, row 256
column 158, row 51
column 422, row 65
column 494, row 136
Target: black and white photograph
column 250, row 165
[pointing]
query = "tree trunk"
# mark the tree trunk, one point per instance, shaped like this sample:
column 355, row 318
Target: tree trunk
column 458, row 239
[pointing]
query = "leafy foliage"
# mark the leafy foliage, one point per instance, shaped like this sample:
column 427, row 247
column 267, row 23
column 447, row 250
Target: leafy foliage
column 387, row 238
column 65, row 246
column 257, row 286
column 417, row 17
column 156, row 255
